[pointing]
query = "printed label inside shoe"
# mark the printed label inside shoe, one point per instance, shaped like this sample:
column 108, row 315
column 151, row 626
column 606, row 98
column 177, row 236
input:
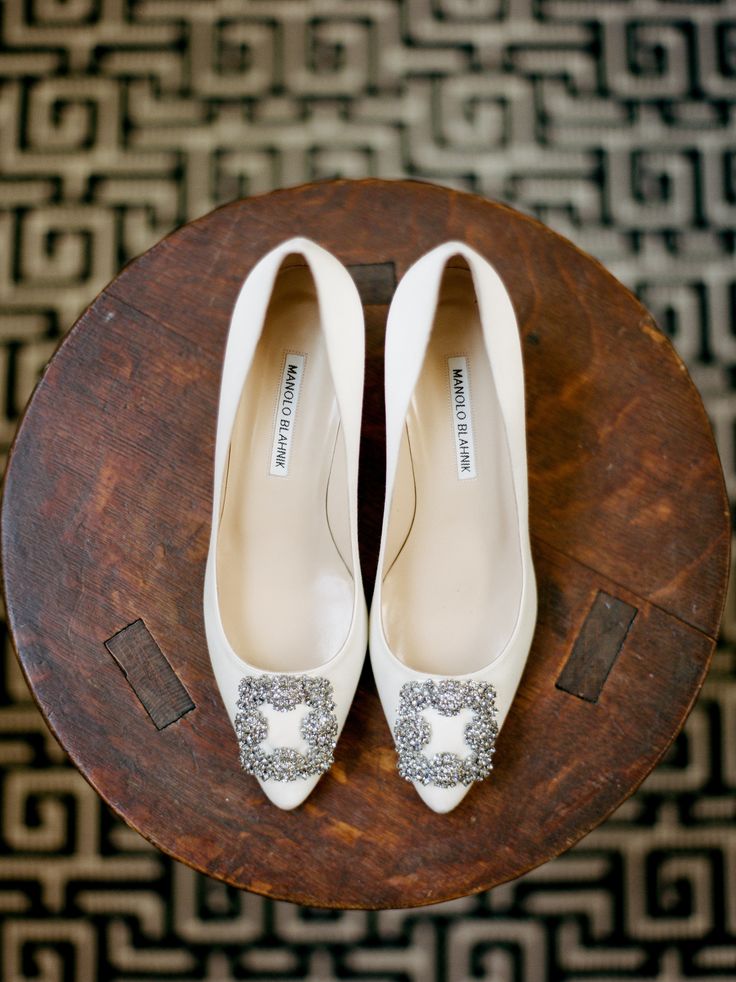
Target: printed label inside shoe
column 286, row 405
column 462, row 421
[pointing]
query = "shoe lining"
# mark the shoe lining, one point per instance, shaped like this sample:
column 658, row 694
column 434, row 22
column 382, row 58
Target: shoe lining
column 285, row 586
column 452, row 586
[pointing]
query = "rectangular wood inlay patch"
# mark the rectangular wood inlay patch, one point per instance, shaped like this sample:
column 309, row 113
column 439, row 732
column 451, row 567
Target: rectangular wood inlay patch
column 376, row 282
column 597, row 647
column 150, row 676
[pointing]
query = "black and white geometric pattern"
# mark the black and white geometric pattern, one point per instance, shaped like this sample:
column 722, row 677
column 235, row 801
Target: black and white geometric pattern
column 613, row 121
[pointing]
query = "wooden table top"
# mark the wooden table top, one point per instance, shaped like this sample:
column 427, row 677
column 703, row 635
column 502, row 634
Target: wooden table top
column 105, row 529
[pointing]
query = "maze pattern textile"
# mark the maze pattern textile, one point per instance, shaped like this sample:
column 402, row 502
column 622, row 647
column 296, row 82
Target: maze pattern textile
column 612, row 121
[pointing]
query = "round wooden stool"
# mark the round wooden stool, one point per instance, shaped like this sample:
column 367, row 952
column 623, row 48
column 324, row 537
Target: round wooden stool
column 105, row 526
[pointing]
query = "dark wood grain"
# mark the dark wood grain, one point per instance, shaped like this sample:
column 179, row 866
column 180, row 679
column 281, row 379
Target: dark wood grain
column 106, row 517
column 375, row 282
column 597, row 647
column 149, row 674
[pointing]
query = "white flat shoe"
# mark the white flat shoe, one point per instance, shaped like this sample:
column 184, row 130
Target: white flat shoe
column 284, row 608
column 455, row 605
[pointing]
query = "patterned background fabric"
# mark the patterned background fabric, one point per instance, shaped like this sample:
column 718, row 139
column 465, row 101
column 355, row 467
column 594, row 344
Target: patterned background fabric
column 612, row 121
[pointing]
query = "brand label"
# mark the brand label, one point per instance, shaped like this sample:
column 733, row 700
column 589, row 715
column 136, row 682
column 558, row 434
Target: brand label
column 462, row 421
column 286, row 405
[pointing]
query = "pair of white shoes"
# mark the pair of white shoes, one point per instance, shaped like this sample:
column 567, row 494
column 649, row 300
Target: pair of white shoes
column 454, row 606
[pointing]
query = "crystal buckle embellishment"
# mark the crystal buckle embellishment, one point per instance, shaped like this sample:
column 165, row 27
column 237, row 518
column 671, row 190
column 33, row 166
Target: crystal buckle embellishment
column 318, row 728
column 412, row 731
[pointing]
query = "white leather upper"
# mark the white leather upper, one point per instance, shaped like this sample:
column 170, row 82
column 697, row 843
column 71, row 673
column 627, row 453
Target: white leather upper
column 408, row 331
column 342, row 323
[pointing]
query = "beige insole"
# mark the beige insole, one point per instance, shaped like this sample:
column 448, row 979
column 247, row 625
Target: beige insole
column 452, row 587
column 285, row 586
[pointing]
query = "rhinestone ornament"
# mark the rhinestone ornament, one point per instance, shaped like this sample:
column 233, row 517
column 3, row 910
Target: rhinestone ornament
column 318, row 728
column 412, row 731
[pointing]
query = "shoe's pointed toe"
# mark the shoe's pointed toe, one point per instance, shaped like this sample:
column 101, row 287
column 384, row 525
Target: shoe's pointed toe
column 288, row 795
column 441, row 800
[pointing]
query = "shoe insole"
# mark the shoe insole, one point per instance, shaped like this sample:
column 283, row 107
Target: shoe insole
column 453, row 583
column 285, row 587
